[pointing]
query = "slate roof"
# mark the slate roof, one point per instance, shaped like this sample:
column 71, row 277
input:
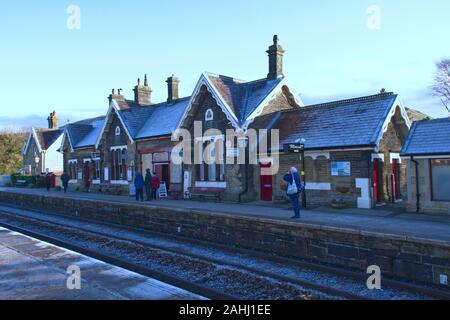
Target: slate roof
column 47, row 137
column 428, row 137
column 84, row 133
column 153, row 120
column 243, row 97
column 340, row 124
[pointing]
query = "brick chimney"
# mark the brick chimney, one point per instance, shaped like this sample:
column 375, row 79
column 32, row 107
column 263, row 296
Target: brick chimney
column 142, row 93
column 275, row 53
column 172, row 88
column 52, row 121
column 119, row 98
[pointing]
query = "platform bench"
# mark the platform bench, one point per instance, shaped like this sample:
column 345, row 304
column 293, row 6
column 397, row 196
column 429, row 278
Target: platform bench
column 21, row 183
column 206, row 193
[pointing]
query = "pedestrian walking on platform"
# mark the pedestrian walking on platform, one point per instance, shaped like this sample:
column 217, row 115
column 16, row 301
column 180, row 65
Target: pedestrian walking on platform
column 65, row 181
column 148, row 185
column 139, row 185
column 294, row 189
column 156, row 183
column 48, row 180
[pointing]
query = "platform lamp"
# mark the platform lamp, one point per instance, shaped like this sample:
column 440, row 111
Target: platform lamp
column 36, row 162
column 301, row 142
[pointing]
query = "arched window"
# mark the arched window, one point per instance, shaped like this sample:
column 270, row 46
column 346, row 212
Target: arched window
column 117, row 131
column 209, row 115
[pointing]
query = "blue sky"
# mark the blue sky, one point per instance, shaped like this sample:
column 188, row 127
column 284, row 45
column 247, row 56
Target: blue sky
column 330, row 51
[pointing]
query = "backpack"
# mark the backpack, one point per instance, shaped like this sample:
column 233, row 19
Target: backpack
column 292, row 187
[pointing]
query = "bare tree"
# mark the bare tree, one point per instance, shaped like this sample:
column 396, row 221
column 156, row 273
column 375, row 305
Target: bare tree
column 441, row 84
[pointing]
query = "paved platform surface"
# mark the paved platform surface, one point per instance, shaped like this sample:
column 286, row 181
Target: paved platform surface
column 34, row 270
column 381, row 220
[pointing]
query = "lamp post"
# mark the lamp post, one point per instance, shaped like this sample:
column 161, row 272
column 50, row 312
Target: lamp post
column 299, row 147
column 36, row 161
column 302, row 142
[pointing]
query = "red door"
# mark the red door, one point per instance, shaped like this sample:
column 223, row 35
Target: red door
column 162, row 171
column 376, row 180
column 394, row 180
column 87, row 176
column 266, row 184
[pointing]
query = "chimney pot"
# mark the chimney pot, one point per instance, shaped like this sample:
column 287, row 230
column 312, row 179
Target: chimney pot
column 142, row 94
column 275, row 53
column 172, row 88
column 52, row 120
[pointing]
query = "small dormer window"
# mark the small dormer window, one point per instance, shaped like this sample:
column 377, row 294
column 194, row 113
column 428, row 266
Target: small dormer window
column 209, row 115
column 117, row 131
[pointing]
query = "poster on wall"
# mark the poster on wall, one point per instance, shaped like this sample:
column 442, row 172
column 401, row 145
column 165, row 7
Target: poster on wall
column 340, row 168
column 106, row 174
column 130, row 174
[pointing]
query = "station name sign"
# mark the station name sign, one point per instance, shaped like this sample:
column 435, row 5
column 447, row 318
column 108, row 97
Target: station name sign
column 294, row 147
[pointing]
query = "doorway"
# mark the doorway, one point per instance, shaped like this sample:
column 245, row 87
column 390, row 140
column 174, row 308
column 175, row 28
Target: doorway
column 266, row 184
column 377, row 181
column 87, row 175
column 395, row 180
column 162, row 171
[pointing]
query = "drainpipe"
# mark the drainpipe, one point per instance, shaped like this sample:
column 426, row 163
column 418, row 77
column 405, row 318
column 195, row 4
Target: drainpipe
column 417, row 184
column 245, row 166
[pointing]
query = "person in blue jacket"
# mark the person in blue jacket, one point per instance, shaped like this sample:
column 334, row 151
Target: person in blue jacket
column 139, row 185
column 291, row 177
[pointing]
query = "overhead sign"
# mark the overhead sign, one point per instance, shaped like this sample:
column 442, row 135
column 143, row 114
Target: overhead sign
column 294, row 147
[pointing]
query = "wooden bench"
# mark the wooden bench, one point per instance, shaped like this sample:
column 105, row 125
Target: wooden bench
column 206, row 193
column 21, row 183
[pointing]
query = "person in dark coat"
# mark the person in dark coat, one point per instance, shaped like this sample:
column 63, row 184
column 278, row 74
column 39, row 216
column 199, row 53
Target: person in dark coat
column 139, row 185
column 148, row 186
column 65, row 181
column 48, row 180
column 291, row 177
column 156, row 183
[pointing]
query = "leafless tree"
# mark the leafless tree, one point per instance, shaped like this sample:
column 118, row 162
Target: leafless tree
column 441, row 84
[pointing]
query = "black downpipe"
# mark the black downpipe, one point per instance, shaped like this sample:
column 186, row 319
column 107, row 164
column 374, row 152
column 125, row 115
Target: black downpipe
column 245, row 166
column 417, row 184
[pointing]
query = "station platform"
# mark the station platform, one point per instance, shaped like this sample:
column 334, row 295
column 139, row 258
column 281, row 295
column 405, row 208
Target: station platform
column 382, row 220
column 34, row 270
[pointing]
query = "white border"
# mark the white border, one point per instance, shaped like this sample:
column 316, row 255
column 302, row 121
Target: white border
column 115, row 148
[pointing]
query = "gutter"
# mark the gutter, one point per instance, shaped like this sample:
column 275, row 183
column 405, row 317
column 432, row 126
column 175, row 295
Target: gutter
column 417, row 184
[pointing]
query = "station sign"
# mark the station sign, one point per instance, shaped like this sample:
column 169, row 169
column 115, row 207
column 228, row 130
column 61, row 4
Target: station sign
column 294, row 147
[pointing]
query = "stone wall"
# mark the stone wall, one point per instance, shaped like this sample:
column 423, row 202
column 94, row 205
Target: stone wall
column 410, row 259
column 318, row 171
column 392, row 142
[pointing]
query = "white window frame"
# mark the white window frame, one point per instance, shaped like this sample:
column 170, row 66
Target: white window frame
column 117, row 131
column 209, row 115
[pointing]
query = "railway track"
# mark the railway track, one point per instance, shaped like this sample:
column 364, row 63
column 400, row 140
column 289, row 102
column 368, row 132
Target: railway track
column 189, row 285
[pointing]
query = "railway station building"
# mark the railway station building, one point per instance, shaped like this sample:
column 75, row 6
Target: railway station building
column 352, row 147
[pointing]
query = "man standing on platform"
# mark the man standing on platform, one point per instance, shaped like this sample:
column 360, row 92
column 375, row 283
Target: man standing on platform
column 139, row 185
column 147, row 183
